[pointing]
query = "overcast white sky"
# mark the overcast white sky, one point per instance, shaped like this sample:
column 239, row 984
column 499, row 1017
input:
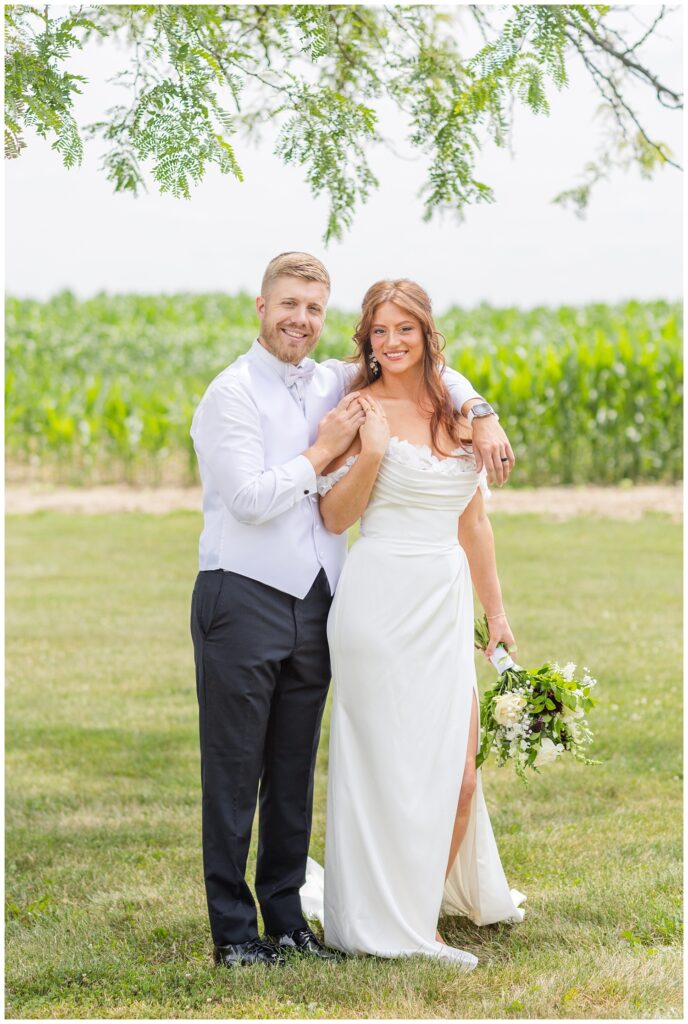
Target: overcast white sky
column 66, row 229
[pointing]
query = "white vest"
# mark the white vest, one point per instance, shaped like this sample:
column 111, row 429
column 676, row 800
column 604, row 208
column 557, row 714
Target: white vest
column 260, row 501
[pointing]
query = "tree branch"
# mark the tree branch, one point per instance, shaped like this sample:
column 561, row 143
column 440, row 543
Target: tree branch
column 633, row 66
column 648, row 33
column 618, row 101
column 481, row 20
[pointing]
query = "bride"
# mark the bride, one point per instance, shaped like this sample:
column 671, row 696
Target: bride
column 408, row 832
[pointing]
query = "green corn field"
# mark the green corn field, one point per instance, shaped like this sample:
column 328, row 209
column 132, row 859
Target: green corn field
column 104, row 389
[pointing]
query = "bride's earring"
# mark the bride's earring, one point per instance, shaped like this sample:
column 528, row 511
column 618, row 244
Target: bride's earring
column 374, row 365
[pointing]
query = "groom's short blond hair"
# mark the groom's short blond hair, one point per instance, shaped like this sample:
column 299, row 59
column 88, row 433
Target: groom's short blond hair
column 294, row 264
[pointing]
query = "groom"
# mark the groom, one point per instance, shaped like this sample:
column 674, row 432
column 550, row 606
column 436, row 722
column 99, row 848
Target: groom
column 266, row 427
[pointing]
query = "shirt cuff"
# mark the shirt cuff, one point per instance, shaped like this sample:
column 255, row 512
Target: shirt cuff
column 305, row 477
column 461, row 400
column 460, row 388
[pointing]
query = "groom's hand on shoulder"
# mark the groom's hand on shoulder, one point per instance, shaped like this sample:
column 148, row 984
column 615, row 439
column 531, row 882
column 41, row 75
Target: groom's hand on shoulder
column 336, row 431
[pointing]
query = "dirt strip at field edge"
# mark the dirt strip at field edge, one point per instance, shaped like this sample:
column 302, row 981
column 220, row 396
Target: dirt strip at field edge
column 628, row 503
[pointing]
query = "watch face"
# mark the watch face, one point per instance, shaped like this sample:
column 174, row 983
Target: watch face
column 482, row 409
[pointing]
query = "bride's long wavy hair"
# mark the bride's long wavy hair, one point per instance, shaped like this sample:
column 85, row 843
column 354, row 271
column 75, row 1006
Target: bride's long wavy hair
column 410, row 297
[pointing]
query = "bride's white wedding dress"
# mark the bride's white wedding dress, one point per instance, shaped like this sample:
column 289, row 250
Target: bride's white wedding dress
column 403, row 673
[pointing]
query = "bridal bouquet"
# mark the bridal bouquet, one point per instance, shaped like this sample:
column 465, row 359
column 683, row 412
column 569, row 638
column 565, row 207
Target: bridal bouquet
column 532, row 717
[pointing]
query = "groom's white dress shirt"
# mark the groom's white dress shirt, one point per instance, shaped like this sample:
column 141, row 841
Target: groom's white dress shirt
column 260, row 498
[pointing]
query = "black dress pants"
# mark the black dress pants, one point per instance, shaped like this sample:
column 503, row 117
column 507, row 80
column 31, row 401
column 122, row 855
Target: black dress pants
column 262, row 675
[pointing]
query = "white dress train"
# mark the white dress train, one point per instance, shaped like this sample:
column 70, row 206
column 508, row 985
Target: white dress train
column 403, row 674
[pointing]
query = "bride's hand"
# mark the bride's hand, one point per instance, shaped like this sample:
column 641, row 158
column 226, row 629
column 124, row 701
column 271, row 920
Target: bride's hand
column 500, row 632
column 374, row 432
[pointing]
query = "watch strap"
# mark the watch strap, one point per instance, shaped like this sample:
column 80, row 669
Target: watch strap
column 470, row 416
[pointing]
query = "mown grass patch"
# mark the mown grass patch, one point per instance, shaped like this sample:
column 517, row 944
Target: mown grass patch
column 105, row 908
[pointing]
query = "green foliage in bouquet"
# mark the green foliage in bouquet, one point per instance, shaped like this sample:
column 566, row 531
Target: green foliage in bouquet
column 531, row 717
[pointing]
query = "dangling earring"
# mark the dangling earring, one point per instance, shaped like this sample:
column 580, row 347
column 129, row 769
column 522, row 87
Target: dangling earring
column 374, row 365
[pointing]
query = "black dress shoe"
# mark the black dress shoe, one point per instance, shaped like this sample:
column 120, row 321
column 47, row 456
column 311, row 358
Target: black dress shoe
column 302, row 940
column 255, row 951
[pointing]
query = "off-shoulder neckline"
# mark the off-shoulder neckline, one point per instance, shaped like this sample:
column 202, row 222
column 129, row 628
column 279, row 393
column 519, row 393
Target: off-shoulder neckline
column 427, row 450
column 423, row 456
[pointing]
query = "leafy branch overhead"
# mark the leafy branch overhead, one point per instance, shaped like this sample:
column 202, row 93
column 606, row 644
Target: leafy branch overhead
column 197, row 77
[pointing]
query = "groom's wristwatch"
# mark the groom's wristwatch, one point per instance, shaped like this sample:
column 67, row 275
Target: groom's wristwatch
column 480, row 409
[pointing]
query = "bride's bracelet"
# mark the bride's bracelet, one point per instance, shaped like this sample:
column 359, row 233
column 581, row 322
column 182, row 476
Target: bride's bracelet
column 500, row 616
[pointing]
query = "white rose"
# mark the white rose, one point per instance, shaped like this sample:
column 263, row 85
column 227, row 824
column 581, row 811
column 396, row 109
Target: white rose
column 508, row 707
column 548, row 752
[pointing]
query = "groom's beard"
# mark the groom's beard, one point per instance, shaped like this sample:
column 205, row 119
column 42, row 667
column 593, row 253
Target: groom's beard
column 288, row 350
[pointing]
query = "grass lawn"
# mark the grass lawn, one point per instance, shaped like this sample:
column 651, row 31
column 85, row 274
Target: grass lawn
column 106, row 913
